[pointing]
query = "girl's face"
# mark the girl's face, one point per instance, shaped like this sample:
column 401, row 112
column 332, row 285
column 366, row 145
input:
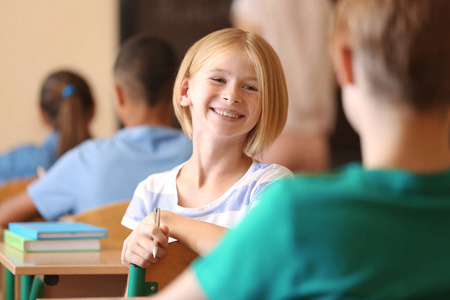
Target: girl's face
column 224, row 97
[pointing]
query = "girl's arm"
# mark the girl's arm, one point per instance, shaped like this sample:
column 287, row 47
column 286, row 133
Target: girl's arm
column 202, row 237
column 17, row 209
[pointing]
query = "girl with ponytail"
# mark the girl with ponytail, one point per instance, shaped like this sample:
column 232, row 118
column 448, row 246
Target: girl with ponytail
column 67, row 106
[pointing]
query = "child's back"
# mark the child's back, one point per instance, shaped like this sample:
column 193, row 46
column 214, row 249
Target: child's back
column 377, row 234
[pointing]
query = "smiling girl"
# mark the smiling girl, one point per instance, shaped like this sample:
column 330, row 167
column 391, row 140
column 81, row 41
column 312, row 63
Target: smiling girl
column 230, row 97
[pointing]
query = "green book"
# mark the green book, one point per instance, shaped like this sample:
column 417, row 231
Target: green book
column 34, row 245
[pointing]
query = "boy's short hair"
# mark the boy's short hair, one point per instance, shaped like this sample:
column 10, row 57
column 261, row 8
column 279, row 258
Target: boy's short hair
column 403, row 46
column 271, row 81
column 145, row 67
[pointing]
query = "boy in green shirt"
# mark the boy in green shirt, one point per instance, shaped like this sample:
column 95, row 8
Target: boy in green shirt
column 376, row 231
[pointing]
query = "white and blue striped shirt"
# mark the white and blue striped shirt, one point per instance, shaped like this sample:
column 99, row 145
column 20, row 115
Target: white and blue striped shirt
column 159, row 190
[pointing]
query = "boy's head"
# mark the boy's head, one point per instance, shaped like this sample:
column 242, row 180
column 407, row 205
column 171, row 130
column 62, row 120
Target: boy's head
column 401, row 47
column 271, row 81
column 145, row 69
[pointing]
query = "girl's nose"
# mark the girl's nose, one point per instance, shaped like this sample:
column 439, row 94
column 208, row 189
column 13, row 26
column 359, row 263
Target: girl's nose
column 231, row 94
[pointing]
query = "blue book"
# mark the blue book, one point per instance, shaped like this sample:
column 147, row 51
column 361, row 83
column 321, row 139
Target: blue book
column 57, row 230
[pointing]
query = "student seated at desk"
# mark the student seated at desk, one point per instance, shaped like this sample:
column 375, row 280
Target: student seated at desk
column 106, row 170
column 376, row 231
column 230, row 96
column 67, row 106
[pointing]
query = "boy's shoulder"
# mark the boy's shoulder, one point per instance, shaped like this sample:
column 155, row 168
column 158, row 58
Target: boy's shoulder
column 304, row 187
column 143, row 137
column 330, row 177
column 353, row 183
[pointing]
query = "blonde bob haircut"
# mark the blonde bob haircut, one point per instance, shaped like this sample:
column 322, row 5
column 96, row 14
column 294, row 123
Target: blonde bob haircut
column 270, row 76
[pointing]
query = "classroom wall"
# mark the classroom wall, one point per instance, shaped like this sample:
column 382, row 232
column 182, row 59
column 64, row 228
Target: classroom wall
column 37, row 37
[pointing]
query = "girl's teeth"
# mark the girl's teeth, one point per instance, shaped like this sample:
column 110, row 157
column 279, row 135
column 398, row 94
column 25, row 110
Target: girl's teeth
column 227, row 114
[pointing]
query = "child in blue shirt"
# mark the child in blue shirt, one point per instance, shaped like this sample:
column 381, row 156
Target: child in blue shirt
column 102, row 171
column 67, row 106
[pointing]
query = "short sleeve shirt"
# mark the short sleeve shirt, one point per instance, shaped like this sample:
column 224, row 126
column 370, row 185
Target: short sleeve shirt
column 353, row 234
column 159, row 190
column 102, row 171
column 23, row 161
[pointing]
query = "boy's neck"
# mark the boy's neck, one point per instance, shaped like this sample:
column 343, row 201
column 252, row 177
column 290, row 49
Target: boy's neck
column 140, row 113
column 414, row 142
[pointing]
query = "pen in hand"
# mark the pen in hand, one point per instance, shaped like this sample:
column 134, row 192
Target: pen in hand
column 156, row 216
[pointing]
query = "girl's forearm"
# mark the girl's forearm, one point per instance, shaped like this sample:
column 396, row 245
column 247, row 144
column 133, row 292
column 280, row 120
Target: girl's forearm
column 202, row 237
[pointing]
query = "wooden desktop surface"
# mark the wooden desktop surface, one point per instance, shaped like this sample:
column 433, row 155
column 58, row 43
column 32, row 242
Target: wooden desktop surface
column 105, row 261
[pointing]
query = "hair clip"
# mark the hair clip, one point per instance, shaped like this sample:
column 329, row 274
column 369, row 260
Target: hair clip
column 67, row 91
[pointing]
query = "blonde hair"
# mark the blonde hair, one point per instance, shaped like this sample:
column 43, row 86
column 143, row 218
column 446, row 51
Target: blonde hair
column 402, row 46
column 271, row 81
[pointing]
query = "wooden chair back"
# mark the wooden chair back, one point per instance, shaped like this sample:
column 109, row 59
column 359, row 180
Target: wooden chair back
column 144, row 282
column 14, row 187
column 108, row 216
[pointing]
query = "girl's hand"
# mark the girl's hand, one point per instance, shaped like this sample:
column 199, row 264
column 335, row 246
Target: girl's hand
column 138, row 246
column 40, row 172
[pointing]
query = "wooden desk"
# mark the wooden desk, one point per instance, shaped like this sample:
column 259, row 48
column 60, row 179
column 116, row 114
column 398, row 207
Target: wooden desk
column 104, row 262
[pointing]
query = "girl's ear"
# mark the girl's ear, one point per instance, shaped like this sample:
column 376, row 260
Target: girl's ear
column 185, row 99
column 347, row 65
column 44, row 117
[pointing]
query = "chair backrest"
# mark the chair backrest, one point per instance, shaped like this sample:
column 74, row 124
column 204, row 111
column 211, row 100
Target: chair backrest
column 108, row 216
column 144, row 282
column 14, row 187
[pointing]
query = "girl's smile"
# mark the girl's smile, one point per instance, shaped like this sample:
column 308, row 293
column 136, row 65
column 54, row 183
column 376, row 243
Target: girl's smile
column 227, row 113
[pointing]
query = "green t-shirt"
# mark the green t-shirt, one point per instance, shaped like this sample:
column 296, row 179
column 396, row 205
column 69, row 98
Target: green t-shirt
column 353, row 234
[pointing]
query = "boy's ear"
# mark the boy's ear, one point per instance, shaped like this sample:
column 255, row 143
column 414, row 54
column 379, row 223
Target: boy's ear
column 344, row 60
column 119, row 95
column 185, row 99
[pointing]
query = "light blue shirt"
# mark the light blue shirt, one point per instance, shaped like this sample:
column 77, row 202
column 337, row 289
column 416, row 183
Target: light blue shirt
column 102, row 171
column 23, row 161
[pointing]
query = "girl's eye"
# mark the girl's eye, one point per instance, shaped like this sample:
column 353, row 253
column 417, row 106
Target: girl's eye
column 218, row 79
column 250, row 88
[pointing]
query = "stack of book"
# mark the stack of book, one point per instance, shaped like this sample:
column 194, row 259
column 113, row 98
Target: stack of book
column 54, row 236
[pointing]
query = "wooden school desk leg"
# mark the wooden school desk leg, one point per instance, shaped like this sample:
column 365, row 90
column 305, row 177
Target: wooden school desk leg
column 9, row 285
column 25, row 286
